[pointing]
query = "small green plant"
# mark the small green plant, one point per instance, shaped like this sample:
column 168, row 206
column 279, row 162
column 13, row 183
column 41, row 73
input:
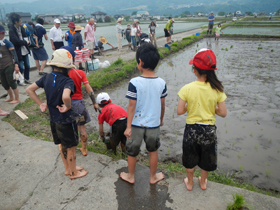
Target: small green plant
column 267, row 173
column 256, row 146
column 270, row 140
column 259, row 48
column 222, row 49
column 272, row 50
column 239, row 155
column 226, row 49
column 233, row 143
column 30, row 194
column 240, row 168
column 238, row 202
column 251, row 134
column 197, row 45
column 243, row 39
column 231, row 46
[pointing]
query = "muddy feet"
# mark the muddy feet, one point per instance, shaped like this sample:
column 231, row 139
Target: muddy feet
column 79, row 174
column 83, row 151
column 127, row 177
column 202, row 184
column 78, row 168
column 159, row 176
column 188, row 184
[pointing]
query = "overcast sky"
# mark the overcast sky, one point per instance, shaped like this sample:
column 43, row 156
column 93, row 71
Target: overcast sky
column 14, row 1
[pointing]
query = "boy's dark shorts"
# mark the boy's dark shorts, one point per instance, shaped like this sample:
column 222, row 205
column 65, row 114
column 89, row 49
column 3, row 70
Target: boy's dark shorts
column 80, row 109
column 210, row 26
column 200, row 147
column 118, row 129
column 166, row 34
column 65, row 134
column 150, row 136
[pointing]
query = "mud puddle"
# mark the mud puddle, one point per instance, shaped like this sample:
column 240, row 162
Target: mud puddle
column 249, row 137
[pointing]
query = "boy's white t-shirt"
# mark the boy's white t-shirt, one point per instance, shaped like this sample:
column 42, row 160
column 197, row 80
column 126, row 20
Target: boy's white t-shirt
column 133, row 31
column 147, row 91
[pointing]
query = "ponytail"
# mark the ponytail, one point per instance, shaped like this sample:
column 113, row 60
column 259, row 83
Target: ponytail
column 211, row 78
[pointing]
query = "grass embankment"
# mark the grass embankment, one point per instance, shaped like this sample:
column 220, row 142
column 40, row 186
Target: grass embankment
column 38, row 123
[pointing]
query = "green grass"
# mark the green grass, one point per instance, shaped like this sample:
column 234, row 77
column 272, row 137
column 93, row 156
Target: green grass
column 238, row 202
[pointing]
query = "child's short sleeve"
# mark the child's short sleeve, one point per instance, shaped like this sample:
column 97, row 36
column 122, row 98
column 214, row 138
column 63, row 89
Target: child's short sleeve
column 164, row 92
column 84, row 77
column 183, row 93
column 222, row 97
column 8, row 44
column 131, row 92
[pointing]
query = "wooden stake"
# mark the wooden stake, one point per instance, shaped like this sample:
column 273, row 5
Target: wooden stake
column 21, row 114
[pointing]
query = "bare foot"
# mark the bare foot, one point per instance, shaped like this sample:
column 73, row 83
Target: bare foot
column 202, row 185
column 159, row 176
column 78, row 168
column 3, row 113
column 14, row 102
column 188, row 184
column 8, row 100
column 79, row 174
column 127, row 177
column 84, row 152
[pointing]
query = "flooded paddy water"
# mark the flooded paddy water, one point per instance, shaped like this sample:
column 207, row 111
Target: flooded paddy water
column 249, row 137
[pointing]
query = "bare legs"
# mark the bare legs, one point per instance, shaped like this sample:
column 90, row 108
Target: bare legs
column 202, row 180
column 12, row 99
column 83, row 137
column 40, row 68
column 68, row 156
column 154, row 177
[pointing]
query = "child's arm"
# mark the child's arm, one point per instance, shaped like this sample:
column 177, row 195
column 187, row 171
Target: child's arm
column 101, row 132
column 130, row 114
column 31, row 92
column 91, row 95
column 36, row 40
column 66, row 98
column 221, row 110
column 162, row 111
column 182, row 107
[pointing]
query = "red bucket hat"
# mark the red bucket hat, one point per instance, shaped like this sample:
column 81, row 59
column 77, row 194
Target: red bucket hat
column 71, row 24
column 204, row 59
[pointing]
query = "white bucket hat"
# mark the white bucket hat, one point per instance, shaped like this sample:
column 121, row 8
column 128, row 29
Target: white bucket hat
column 56, row 20
column 62, row 58
column 120, row 19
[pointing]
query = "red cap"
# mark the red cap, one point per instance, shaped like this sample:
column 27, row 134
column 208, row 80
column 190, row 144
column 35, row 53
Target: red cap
column 204, row 59
column 71, row 24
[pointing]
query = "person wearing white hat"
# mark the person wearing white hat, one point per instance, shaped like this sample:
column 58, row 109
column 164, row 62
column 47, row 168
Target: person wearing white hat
column 56, row 35
column 119, row 33
column 58, row 89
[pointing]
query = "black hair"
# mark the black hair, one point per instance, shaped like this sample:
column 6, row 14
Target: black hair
column 31, row 24
column 219, row 25
column 149, row 55
column 104, row 104
column 64, row 70
column 170, row 18
column 40, row 20
column 153, row 23
column 78, row 31
column 211, row 78
column 14, row 17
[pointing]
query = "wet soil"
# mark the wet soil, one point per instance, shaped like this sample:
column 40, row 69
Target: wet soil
column 249, row 137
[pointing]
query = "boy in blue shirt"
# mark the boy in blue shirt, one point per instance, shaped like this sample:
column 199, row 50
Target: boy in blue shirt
column 211, row 19
column 145, row 112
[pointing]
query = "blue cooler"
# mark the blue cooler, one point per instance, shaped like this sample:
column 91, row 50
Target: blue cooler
column 197, row 34
column 93, row 64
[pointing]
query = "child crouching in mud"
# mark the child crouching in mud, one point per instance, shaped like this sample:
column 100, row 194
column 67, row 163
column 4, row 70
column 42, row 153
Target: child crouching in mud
column 115, row 116
column 58, row 89
column 201, row 99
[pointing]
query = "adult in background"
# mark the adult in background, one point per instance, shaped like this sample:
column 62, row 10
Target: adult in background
column 211, row 19
column 152, row 32
column 139, row 32
column 56, row 35
column 89, row 36
column 18, row 37
column 167, row 30
column 119, row 30
column 99, row 44
column 8, row 65
column 70, row 33
column 40, row 54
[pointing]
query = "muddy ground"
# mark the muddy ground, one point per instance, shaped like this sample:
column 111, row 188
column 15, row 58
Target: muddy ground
column 249, row 137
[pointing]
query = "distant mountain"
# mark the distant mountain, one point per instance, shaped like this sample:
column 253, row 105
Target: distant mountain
column 112, row 7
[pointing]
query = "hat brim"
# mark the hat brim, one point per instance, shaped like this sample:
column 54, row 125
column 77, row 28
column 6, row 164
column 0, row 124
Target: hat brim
column 103, row 40
column 79, row 29
column 191, row 61
column 72, row 66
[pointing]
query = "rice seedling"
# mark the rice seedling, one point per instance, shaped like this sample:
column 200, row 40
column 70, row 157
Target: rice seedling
column 272, row 50
column 231, row 46
column 259, row 48
column 226, row 49
column 233, row 143
column 168, row 151
column 222, row 49
column 274, row 115
column 238, row 202
column 256, row 146
column 240, row 168
column 251, row 134
column 267, row 173
column 239, row 155
column 270, row 140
